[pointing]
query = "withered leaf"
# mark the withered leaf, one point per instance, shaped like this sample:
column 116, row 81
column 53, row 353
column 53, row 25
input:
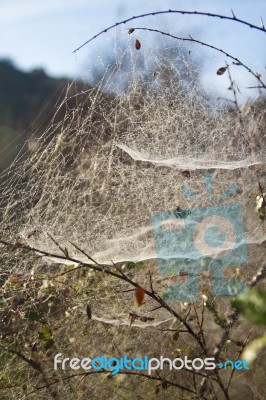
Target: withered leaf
column 164, row 385
column 88, row 310
column 131, row 31
column 221, row 70
column 137, row 44
column 146, row 319
column 176, row 336
column 139, row 295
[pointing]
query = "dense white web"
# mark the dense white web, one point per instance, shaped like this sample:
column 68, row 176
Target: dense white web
column 97, row 176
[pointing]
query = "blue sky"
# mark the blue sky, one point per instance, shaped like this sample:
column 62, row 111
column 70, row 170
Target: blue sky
column 44, row 33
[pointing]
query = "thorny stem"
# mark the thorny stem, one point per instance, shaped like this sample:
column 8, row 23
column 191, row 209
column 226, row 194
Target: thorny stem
column 223, row 17
column 191, row 39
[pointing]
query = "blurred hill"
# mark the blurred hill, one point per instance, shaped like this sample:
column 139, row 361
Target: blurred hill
column 29, row 101
column 25, row 102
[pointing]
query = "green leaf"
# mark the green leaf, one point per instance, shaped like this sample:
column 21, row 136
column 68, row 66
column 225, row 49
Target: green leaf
column 131, row 265
column 140, row 265
column 252, row 305
column 46, row 334
column 253, row 348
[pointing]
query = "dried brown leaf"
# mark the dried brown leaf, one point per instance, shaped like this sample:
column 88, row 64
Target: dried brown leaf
column 221, row 70
column 137, row 44
column 139, row 295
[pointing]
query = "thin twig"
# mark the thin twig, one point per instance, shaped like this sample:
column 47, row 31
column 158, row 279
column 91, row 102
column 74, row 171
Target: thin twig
column 202, row 317
column 156, row 308
column 239, row 354
column 84, row 253
column 64, row 251
column 150, row 277
column 233, row 88
column 255, row 87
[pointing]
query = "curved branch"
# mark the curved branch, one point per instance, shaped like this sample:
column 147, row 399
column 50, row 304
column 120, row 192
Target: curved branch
column 224, row 17
column 191, row 39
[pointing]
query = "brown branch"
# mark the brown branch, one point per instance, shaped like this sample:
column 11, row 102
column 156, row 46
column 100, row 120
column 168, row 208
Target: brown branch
column 106, row 269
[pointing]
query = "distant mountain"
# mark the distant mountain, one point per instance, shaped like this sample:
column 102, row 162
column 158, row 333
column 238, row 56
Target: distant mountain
column 29, row 101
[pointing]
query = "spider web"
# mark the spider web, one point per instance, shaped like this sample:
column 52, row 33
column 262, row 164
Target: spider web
column 125, row 149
